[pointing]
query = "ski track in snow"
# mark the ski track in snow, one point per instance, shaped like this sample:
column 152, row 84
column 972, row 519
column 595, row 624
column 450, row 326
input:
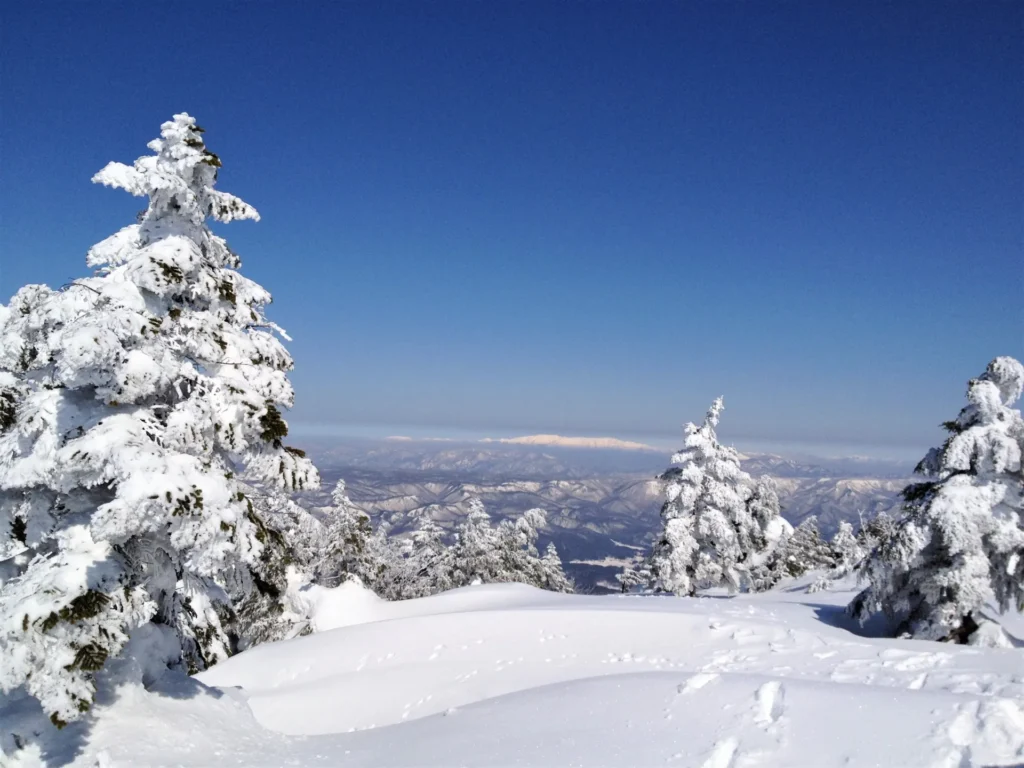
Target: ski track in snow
column 491, row 676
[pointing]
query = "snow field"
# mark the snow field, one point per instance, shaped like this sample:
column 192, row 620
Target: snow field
column 504, row 675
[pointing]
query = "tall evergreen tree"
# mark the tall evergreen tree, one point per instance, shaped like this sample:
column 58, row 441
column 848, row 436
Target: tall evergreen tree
column 717, row 525
column 131, row 404
column 960, row 542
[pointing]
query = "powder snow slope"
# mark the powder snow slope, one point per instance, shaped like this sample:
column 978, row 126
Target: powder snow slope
column 507, row 675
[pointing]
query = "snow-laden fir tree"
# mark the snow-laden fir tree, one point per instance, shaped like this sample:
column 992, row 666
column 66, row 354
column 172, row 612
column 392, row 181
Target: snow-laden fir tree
column 717, row 523
column 476, row 556
column 296, row 546
column 345, row 549
column 960, row 542
column 431, row 562
column 553, row 574
column 636, row 575
column 875, row 531
column 846, row 554
column 805, row 550
column 131, row 403
column 846, row 550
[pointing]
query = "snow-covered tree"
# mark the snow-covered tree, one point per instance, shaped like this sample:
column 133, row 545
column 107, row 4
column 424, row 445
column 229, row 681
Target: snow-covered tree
column 846, row 550
column 846, row 554
column 717, row 524
column 476, row 554
column 553, row 574
column 297, row 537
column 517, row 545
column 508, row 553
column 131, row 404
column 430, row 563
column 773, row 568
column 636, row 574
column 346, row 545
column 805, row 550
column 872, row 533
column 960, row 542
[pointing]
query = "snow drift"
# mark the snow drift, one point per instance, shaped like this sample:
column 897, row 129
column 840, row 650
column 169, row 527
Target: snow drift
column 508, row 675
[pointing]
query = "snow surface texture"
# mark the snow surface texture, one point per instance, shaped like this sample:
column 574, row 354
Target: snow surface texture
column 503, row 675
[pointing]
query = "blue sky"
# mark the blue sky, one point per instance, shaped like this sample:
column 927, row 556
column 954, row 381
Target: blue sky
column 586, row 218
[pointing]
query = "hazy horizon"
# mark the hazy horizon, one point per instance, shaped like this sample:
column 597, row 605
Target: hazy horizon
column 664, row 443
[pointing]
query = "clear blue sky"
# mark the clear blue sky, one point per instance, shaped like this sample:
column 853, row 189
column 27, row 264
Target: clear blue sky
column 587, row 218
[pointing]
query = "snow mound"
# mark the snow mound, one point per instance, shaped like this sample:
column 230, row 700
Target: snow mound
column 500, row 675
column 334, row 607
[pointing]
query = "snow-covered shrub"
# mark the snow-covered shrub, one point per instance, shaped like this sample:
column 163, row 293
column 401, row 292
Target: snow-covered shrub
column 718, row 525
column 961, row 540
column 131, row 404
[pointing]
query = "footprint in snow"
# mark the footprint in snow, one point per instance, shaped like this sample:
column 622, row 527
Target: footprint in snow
column 721, row 754
column 696, row 682
column 768, row 704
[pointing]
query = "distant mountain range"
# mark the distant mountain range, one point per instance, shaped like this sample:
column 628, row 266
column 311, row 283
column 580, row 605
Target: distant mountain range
column 601, row 443
column 602, row 504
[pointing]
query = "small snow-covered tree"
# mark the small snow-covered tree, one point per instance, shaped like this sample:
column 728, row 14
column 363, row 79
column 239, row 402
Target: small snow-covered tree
column 846, row 550
column 517, row 546
column 773, row 568
column 717, row 524
column 553, row 573
column 637, row 574
column 476, row 553
column 846, row 554
column 346, row 545
column 960, row 542
column 297, row 539
column 805, row 550
column 131, row 404
column 875, row 531
column 430, row 564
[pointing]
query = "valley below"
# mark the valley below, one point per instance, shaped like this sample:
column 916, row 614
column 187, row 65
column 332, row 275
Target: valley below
column 602, row 505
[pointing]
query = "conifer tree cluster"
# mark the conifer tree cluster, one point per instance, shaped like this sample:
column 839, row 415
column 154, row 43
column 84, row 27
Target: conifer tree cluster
column 424, row 563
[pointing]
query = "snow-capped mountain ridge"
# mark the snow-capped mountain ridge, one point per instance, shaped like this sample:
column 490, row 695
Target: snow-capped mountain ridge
column 605, row 443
